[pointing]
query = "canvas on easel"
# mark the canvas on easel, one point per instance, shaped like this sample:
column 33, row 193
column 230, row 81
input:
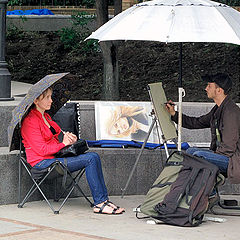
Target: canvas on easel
column 159, row 100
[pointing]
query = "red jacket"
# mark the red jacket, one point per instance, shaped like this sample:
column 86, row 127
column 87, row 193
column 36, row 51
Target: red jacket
column 38, row 140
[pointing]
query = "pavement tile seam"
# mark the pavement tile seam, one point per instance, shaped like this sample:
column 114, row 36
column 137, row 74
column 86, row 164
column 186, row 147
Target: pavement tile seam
column 19, row 233
column 39, row 228
column 20, row 222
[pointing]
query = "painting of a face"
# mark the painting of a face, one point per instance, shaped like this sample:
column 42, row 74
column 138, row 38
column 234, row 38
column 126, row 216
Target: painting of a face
column 122, row 120
column 120, row 126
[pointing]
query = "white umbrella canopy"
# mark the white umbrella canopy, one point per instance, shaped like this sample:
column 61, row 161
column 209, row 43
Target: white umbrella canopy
column 174, row 21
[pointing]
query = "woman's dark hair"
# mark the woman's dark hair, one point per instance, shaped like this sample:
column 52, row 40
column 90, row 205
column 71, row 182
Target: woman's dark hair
column 44, row 93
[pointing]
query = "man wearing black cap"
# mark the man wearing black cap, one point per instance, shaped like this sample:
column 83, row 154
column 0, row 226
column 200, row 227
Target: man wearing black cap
column 224, row 122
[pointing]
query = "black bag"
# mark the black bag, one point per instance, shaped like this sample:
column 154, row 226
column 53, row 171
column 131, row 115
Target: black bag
column 180, row 195
column 75, row 149
column 66, row 118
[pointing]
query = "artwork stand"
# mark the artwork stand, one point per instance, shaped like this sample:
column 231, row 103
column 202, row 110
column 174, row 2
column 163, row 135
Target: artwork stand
column 161, row 116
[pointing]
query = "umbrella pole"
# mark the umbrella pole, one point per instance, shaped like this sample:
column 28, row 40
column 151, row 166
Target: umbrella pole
column 181, row 94
column 180, row 66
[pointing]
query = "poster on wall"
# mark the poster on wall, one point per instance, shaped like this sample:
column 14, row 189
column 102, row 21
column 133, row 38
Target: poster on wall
column 124, row 121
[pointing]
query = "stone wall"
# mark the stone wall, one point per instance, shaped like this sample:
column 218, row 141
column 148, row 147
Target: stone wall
column 43, row 23
column 116, row 164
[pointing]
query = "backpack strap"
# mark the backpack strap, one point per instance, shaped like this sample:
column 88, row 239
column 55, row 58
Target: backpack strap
column 160, row 185
column 172, row 163
column 193, row 177
column 138, row 211
column 196, row 197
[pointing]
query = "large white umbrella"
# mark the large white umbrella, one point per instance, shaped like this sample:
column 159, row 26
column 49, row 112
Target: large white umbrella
column 174, row 21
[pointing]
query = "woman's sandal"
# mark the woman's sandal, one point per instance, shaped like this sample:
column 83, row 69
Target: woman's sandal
column 107, row 204
column 114, row 206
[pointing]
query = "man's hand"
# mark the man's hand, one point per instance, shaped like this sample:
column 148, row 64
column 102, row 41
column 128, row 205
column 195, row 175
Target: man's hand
column 170, row 107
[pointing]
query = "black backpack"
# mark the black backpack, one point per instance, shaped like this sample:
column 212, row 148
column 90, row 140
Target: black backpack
column 180, row 195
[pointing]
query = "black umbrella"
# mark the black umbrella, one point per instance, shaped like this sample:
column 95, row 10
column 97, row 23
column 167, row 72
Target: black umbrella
column 62, row 84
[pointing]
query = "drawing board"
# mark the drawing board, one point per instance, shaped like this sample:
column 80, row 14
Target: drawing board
column 159, row 99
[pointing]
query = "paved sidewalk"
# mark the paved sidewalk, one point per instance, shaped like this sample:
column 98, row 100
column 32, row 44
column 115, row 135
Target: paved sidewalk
column 77, row 221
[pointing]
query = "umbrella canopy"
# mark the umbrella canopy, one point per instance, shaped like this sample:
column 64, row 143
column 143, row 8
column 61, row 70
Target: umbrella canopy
column 174, row 21
column 62, row 85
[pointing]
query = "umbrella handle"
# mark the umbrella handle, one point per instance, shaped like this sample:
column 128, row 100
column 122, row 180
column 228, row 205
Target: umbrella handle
column 181, row 94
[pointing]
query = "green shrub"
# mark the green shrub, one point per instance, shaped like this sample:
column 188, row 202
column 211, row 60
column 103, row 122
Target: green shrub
column 88, row 3
column 69, row 37
column 73, row 37
column 90, row 45
column 14, row 2
column 12, row 31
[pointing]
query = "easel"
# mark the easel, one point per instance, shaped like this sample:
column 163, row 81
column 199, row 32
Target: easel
column 158, row 99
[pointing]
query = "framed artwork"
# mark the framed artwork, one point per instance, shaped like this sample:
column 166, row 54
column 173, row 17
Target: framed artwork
column 124, row 121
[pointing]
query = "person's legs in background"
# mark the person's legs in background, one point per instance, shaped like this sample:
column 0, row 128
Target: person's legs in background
column 219, row 160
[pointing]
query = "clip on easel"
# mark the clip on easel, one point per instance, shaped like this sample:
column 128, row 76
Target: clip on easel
column 162, row 120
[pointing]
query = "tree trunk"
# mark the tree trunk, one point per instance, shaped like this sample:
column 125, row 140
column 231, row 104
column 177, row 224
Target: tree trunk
column 111, row 71
column 102, row 12
column 117, row 7
column 110, row 58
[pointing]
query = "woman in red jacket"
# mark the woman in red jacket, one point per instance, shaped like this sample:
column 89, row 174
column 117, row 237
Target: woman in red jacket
column 40, row 139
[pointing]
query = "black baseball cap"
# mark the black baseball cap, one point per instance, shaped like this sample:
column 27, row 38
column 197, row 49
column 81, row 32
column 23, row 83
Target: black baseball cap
column 221, row 79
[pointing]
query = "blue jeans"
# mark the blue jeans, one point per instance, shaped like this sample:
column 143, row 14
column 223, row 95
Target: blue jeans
column 92, row 164
column 219, row 160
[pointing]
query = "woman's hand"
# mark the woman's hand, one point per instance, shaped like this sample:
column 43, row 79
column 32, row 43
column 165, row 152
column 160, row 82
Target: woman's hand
column 69, row 138
column 170, row 107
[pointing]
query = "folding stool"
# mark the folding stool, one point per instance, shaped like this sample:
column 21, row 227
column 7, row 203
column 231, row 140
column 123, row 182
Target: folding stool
column 53, row 172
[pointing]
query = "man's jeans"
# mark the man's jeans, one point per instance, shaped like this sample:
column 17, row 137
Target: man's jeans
column 92, row 163
column 220, row 160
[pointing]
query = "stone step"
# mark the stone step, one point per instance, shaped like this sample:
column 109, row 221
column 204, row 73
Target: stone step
column 116, row 163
